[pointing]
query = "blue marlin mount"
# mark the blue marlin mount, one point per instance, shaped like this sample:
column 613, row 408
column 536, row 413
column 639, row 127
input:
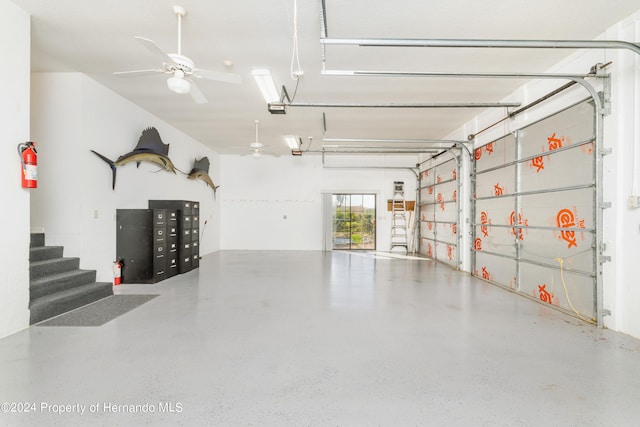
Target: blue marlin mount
column 150, row 149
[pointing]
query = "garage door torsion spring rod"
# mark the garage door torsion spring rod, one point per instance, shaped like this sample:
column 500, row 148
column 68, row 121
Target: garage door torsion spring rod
column 511, row 115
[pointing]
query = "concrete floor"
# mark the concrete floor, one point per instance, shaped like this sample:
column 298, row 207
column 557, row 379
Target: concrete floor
column 324, row 339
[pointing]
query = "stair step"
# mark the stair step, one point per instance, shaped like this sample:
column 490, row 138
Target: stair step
column 54, row 304
column 60, row 282
column 43, row 268
column 37, row 239
column 41, row 253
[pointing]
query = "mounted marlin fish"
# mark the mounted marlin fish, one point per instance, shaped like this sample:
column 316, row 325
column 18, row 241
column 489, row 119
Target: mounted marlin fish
column 150, row 149
column 200, row 171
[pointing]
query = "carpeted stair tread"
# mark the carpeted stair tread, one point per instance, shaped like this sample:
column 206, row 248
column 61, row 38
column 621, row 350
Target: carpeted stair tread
column 37, row 239
column 57, row 303
column 61, row 281
column 41, row 253
column 46, row 267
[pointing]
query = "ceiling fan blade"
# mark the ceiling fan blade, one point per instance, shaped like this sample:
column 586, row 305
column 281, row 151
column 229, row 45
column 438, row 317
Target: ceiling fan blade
column 269, row 153
column 155, row 49
column 197, row 94
column 136, row 73
column 218, row 76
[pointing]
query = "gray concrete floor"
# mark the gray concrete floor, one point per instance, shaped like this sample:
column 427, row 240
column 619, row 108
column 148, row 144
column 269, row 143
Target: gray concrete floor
column 323, row 339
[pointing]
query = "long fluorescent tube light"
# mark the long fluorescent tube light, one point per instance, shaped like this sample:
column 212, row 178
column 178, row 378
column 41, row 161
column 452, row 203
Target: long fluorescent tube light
column 266, row 85
column 292, row 141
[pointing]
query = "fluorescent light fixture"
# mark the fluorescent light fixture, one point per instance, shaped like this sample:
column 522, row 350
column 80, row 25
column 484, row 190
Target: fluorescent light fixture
column 292, row 141
column 266, row 85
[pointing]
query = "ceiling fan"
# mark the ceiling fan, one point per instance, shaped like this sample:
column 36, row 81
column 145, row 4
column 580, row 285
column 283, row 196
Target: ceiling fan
column 180, row 68
column 256, row 149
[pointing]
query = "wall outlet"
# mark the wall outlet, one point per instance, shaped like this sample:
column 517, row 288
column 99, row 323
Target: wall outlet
column 95, row 214
column 633, row 202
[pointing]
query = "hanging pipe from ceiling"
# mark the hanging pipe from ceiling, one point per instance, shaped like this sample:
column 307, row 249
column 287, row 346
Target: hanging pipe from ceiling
column 484, row 43
column 409, row 105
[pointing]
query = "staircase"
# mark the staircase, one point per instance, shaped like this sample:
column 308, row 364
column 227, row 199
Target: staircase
column 56, row 284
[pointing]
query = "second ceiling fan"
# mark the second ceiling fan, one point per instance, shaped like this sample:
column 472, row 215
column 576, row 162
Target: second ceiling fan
column 257, row 149
column 181, row 69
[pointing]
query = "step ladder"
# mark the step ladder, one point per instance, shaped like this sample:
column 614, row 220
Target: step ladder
column 398, row 218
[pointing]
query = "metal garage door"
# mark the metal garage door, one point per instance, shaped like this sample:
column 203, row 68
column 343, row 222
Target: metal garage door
column 535, row 211
column 440, row 210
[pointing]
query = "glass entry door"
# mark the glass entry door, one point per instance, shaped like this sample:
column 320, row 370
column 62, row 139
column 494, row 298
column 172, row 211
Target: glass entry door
column 354, row 221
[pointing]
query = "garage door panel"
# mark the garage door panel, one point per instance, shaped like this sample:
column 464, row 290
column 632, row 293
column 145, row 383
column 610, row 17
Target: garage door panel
column 564, row 209
column 446, row 253
column 496, row 153
column 427, row 195
column 428, row 230
column 427, row 247
column 548, row 247
column 428, row 212
column 447, row 232
column 447, row 212
column 571, row 126
column 567, row 168
column 497, row 182
column 558, row 288
column 494, row 211
column 496, row 269
column 447, row 191
column 427, row 177
column 447, row 171
column 499, row 241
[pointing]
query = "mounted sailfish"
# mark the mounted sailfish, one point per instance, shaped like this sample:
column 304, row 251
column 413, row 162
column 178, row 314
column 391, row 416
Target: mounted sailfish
column 200, row 171
column 150, row 149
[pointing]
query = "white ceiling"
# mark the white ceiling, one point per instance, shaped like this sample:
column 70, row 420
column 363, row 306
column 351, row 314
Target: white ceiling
column 96, row 38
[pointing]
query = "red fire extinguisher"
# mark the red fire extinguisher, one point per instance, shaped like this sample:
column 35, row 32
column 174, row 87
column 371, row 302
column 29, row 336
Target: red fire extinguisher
column 29, row 160
column 117, row 272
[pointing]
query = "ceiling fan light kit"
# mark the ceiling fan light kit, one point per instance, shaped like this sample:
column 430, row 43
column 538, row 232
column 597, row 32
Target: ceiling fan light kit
column 178, row 85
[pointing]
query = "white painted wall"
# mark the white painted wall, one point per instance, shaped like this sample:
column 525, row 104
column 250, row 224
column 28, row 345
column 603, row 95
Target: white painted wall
column 257, row 195
column 15, row 40
column 72, row 114
column 621, row 174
